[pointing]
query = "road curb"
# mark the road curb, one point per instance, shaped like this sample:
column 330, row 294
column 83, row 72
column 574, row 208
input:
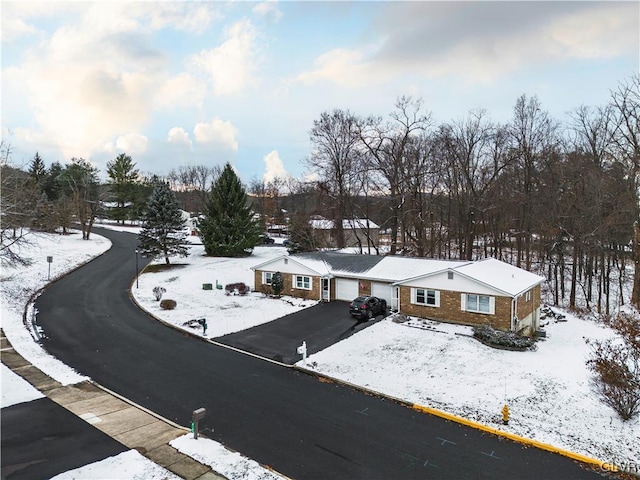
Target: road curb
column 510, row 436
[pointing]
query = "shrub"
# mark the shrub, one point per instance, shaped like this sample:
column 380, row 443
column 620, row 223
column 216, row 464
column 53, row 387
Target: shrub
column 158, row 292
column 616, row 365
column 168, row 304
column 236, row 289
column 277, row 284
column 498, row 338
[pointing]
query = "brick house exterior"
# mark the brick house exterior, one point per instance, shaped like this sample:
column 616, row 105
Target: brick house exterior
column 488, row 292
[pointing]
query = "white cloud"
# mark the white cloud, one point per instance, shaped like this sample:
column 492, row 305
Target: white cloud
column 132, row 143
column 344, row 67
column 217, row 132
column 188, row 16
column 268, row 9
column 13, row 28
column 179, row 136
column 479, row 41
column 231, row 65
column 180, row 90
column 274, row 168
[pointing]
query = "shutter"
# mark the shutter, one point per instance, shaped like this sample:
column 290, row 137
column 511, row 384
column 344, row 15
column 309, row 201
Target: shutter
column 463, row 302
column 437, row 298
column 414, row 295
column 492, row 305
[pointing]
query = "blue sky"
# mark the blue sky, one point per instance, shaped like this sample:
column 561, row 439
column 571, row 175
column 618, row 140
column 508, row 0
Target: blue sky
column 186, row 83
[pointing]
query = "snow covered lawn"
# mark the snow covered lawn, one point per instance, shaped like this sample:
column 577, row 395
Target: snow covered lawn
column 439, row 365
column 184, row 280
column 18, row 284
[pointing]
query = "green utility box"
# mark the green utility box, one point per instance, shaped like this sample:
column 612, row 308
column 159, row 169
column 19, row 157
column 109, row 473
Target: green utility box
column 207, row 286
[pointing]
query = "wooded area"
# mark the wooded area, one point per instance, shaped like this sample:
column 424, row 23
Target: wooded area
column 557, row 199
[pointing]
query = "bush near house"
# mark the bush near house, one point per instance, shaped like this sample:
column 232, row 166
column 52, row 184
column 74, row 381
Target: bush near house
column 499, row 339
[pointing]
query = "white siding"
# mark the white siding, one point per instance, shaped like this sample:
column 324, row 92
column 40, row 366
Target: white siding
column 457, row 284
column 346, row 289
column 381, row 290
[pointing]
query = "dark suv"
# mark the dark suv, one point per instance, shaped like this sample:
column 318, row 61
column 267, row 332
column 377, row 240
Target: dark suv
column 367, row 307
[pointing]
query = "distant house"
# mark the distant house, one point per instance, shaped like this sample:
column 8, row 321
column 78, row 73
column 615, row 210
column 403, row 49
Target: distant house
column 358, row 232
column 484, row 292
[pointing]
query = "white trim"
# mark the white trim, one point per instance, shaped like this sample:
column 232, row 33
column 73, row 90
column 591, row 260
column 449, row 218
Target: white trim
column 467, row 308
column 414, row 297
column 295, row 282
column 264, row 278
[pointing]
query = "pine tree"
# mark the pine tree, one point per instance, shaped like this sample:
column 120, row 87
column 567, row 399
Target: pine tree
column 37, row 170
column 123, row 177
column 163, row 228
column 228, row 229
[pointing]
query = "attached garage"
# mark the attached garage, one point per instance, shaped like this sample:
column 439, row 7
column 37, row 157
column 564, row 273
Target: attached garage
column 381, row 290
column 346, row 289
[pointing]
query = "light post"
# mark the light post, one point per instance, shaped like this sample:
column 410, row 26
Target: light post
column 136, row 268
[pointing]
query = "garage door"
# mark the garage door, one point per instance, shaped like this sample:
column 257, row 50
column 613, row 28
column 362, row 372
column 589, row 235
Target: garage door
column 346, row 289
column 381, row 290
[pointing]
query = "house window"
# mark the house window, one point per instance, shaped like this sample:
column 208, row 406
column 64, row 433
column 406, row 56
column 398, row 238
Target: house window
column 479, row 303
column 267, row 277
column 302, row 282
column 422, row 296
column 527, row 296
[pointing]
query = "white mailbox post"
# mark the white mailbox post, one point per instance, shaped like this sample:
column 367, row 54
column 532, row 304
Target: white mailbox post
column 302, row 350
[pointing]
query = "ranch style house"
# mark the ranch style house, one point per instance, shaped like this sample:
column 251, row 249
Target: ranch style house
column 487, row 292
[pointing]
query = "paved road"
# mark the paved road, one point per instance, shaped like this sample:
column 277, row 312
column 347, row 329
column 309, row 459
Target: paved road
column 302, row 427
column 319, row 326
column 41, row 439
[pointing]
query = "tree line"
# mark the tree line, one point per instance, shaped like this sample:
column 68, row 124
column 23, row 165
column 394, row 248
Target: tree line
column 558, row 199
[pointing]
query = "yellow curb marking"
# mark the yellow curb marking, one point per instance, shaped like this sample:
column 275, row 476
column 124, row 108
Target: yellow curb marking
column 511, row 436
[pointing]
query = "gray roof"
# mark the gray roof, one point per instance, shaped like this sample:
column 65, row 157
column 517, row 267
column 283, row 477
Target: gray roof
column 343, row 262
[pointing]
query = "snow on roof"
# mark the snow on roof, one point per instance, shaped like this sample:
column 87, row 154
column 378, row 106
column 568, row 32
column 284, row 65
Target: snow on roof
column 503, row 276
column 321, row 223
column 494, row 273
column 401, row 268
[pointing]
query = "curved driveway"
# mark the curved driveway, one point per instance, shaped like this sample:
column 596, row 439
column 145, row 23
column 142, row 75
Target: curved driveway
column 300, row 426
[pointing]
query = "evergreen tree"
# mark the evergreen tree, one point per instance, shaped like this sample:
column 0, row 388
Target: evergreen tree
column 301, row 235
column 228, row 229
column 37, row 170
column 123, row 177
column 163, row 228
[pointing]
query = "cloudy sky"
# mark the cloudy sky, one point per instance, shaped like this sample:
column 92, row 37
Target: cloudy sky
column 188, row 83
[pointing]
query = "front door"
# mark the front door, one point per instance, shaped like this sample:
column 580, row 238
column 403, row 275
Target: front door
column 325, row 290
column 395, row 299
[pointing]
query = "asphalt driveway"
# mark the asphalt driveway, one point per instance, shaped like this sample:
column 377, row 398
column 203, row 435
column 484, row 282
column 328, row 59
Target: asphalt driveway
column 320, row 326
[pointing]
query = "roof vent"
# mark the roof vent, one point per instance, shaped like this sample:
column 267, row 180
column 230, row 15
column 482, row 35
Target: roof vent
column 450, row 275
column 286, row 261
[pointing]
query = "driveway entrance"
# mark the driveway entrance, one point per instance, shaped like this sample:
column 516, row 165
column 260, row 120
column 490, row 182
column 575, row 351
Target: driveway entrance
column 320, row 326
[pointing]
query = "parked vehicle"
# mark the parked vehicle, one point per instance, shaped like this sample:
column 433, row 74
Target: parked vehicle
column 266, row 240
column 367, row 307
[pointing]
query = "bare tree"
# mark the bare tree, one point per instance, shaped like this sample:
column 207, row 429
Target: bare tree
column 625, row 102
column 616, row 365
column 387, row 144
column 18, row 204
column 335, row 159
column 474, row 151
column 79, row 181
column 533, row 134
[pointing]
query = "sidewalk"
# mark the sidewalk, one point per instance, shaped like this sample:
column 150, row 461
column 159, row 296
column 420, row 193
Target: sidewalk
column 132, row 425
